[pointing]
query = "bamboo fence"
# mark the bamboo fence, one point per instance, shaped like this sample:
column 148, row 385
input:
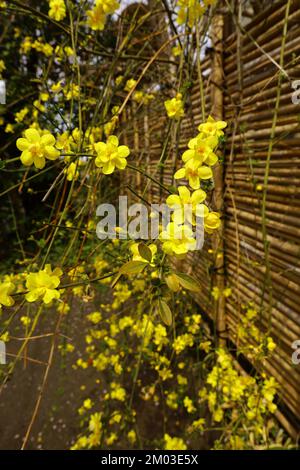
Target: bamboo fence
column 247, row 79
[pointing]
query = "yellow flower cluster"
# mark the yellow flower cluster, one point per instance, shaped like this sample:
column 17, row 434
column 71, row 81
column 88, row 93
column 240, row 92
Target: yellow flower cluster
column 232, row 398
column 235, row 394
column 174, row 107
column 174, row 443
column 38, row 45
column 138, row 96
column 177, row 239
column 198, row 160
column 200, row 156
column 142, row 98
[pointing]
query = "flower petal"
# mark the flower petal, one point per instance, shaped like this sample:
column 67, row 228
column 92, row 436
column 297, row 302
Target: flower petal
column 48, row 139
column 123, row 151
column 205, row 172
column 120, row 163
column 173, row 200
column 39, row 162
column 198, row 196
column 32, row 135
column 51, row 152
column 113, row 140
column 184, row 194
column 108, row 168
column 22, row 144
column 179, row 174
column 26, row 158
column 187, row 155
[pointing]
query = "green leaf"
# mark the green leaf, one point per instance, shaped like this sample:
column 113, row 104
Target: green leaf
column 165, row 312
column 145, row 252
column 188, row 282
column 132, row 267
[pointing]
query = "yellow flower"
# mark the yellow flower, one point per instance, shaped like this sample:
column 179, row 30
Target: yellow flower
column 57, row 9
column 212, row 222
column 63, row 142
column 19, row 117
column 205, row 346
column 110, row 155
column 110, row 126
column 95, row 424
column 26, row 45
column 96, row 18
column 227, row 292
column 25, row 320
column 94, row 317
column 182, row 342
column 174, row 107
column 87, row 404
column 132, row 436
column 9, row 128
column 160, row 336
column 177, row 239
column 119, row 80
column 194, row 176
column 36, row 148
column 43, row 285
column 56, row 87
column 212, row 128
column 109, row 6
column 198, row 425
column 72, row 92
column 71, row 172
column 191, row 11
column 117, row 392
column 271, row 345
column 186, row 205
column 2, row 66
column 188, row 404
column 216, row 293
column 174, row 443
column 176, row 50
column 130, row 84
column 44, row 96
column 5, row 337
column 218, row 415
column 69, row 51
column 200, row 151
column 171, row 400
column 111, row 439
column 181, row 380
column 138, row 96
column 6, row 288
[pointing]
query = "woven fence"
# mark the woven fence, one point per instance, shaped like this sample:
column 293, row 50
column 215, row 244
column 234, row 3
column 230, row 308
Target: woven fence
column 247, row 79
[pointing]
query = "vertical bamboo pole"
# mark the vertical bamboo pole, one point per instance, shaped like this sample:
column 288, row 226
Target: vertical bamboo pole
column 146, row 134
column 217, row 113
column 125, row 119
column 136, row 142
